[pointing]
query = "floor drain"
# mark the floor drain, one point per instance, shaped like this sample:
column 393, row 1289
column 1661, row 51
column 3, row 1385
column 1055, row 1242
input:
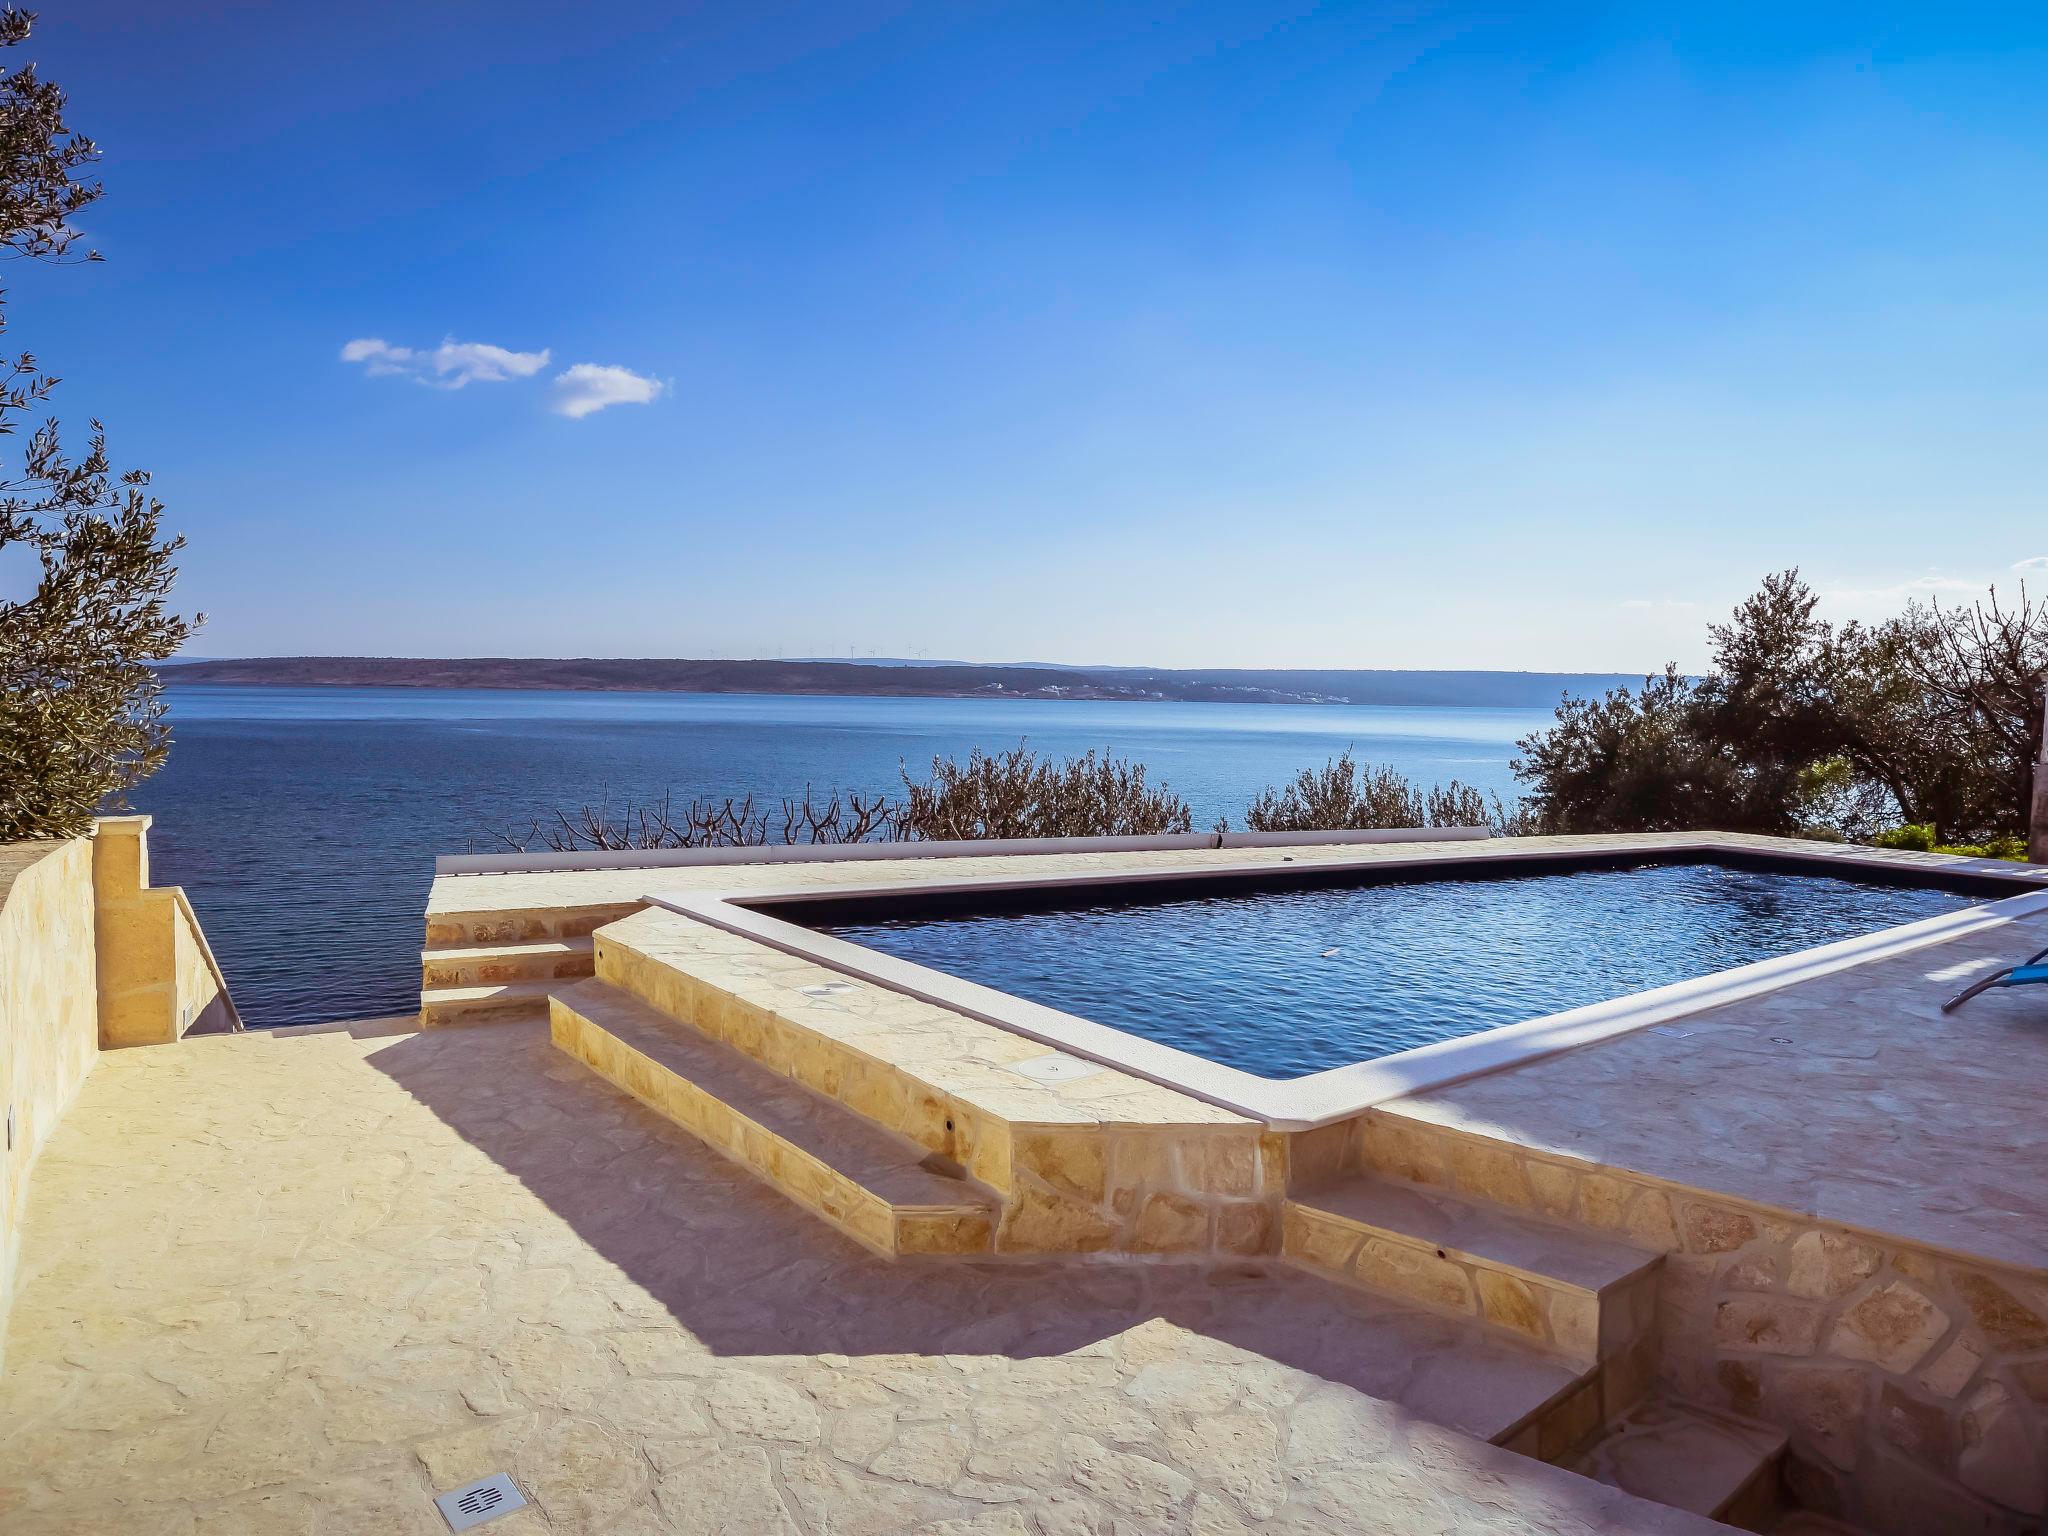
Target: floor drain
column 474, row 1503
column 827, row 989
column 1055, row 1067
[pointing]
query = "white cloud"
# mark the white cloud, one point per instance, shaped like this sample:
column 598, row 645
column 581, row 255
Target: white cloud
column 378, row 356
column 1905, row 591
column 457, row 363
column 2036, row 563
column 451, row 365
column 1664, row 602
column 587, row 387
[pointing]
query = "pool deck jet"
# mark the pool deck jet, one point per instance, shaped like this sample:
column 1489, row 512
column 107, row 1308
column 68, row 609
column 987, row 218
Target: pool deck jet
column 690, row 1232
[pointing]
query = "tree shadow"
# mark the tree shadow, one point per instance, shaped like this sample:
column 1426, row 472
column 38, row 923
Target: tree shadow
column 748, row 1272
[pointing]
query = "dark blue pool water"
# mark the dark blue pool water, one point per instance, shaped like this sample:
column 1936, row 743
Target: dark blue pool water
column 1249, row 979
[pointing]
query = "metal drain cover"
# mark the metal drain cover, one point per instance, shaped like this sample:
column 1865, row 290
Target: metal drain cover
column 827, row 989
column 485, row 1499
column 1055, row 1067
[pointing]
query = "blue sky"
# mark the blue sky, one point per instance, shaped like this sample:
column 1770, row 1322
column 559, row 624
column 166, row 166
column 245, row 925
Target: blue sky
column 1201, row 335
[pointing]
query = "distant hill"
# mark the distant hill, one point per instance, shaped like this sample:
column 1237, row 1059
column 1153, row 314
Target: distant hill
column 1501, row 690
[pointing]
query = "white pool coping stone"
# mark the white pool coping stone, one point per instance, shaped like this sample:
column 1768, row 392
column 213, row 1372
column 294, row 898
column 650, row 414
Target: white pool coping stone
column 1338, row 1093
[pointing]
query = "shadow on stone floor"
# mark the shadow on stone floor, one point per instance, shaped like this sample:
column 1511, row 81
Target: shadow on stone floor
column 747, row 1272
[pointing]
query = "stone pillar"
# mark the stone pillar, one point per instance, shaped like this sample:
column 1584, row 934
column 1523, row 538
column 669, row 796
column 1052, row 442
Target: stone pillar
column 135, row 951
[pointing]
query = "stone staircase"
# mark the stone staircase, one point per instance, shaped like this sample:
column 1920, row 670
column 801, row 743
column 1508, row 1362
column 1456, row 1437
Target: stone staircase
column 498, row 967
column 879, row 1189
column 1582, row 1297
column 1525, row 1329
column 1693, row 1458
column 743, row 1095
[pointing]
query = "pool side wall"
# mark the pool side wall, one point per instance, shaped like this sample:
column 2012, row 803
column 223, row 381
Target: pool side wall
column 1913, row 1382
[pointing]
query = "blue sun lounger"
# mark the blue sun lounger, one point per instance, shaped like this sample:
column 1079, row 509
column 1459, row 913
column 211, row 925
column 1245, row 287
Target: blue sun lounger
column 2026, row 974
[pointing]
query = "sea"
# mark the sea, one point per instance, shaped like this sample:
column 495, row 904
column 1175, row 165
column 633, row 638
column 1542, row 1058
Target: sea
column 303, row 822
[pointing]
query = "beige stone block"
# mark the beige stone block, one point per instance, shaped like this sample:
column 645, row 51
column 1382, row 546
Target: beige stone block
column 2000, row 1316
column 984, row 1146
column 1553, row 1186
column 1397, row 1147
column 872, row 1222
column 1170, row 1223
column 1650, row 1222
column 1574, row 1322
column 1776, row 1325
column 948, row 1233
column 1138, row 1161
column 1316, row 1240
column 1244, row 1228
column 1894, row 1326
column 1491, row 1172
column 1825, row 1407
column 1508, row 1302
column 1829, row 1264
column 1221, row 1163
column 1919, row 1428
column 1039, row 1221
column 877, row 1094
column 1751, row 1272
column 1603, row 1201
column 1716, row 1229
column 1273, row 1174
column 1413, row 1272
column 1075, row 1163
column 1950, row 1371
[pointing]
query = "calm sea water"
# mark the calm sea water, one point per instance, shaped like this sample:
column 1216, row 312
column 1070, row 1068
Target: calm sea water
column 1280, row 983
column 304, row 821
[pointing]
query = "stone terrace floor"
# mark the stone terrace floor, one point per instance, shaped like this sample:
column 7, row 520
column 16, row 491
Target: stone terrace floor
column 300, row 1283
column 1850, row 1097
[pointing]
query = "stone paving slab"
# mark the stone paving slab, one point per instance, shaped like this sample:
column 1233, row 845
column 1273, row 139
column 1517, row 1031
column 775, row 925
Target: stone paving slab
column 300, row 1284
column 1850, row 1098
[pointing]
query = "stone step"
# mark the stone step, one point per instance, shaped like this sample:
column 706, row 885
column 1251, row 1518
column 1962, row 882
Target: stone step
column 521, row 925
column 1586, row 1296
column 878, row 1188
column 498, row 964
column 1697, row 1459
column 508, row 1003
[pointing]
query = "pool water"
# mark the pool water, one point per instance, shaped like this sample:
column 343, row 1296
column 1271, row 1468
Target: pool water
column 1285, row 982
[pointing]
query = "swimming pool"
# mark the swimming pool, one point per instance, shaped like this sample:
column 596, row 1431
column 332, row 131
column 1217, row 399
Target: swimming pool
column 1288, row 980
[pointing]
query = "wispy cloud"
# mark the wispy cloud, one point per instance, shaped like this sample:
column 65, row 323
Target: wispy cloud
column 1657, row 602
column 2036, row 565
column 452, row 365
column 1930, row 585
column 584, row 388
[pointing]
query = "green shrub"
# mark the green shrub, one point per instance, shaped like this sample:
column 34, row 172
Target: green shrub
column 1919, row 837
column 1341, row 796
column 1019, row 794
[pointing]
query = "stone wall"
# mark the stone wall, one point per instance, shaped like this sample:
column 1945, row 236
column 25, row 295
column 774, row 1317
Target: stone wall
column 1913, row 1383
column 49, row 1013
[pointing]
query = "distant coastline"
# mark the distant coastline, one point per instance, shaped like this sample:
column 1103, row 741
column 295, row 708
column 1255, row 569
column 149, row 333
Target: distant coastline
column 1499, row 690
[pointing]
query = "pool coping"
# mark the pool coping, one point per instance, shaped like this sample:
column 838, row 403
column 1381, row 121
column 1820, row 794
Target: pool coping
column 1338, row 1093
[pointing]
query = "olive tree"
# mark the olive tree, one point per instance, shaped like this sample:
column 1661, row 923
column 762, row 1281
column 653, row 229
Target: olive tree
column 86, row 566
